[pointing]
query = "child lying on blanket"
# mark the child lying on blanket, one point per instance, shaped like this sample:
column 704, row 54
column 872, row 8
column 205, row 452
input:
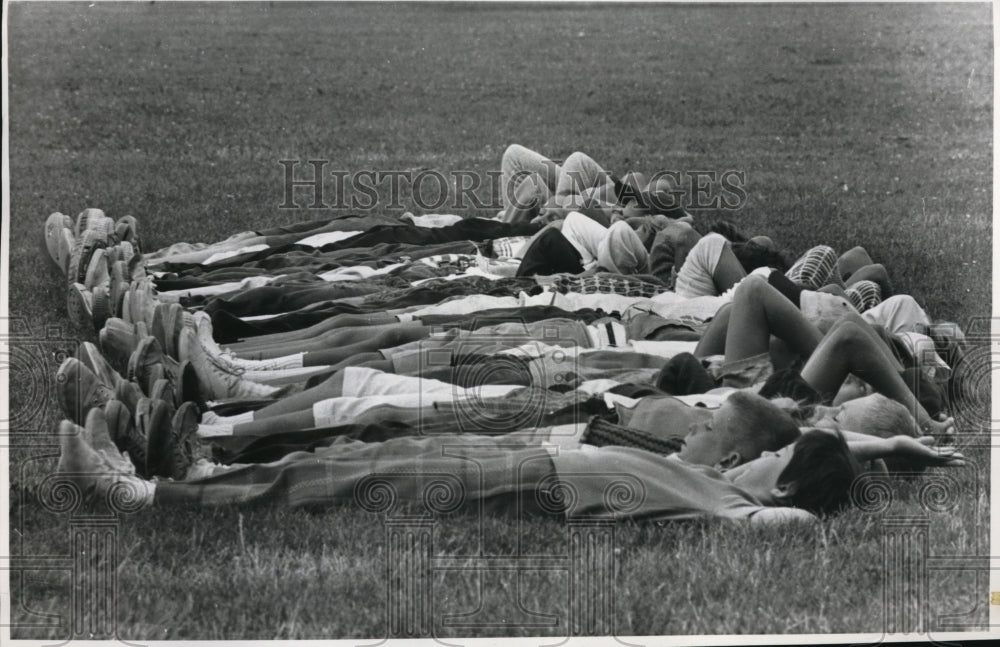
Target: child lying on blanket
column 580, row 245
column 760, row 311
column 813, row 476
column 532, row 183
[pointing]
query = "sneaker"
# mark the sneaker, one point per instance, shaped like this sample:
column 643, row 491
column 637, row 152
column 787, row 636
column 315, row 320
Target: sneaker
column 125, row 253
column 117, row 295
column 119, row 419
column 101, row 478
column 97, row 269
column 118, row 340
column 203, row 325
column 82, row 253
column 79, row 304
column 136, row 267
column 129, row 394
column 163, row 389
column 173, row 324
column 126, row 307
column 178, row 448
column 116, row 268
column 165, row 326
column 142, row 301
column 152, row 421
column 86, row 218
column 217, row 381
column 55, row 225
column 92, row 358
column 140, row 364
column 96, row 434
column 127, row 230
column 66, row 244
column 148, row 380
column 187, row 386
column 100, row 306
column 79, row 390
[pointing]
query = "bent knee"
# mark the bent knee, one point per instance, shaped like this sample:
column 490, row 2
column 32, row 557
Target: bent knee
column 848, row 332
column 515, row 150
column 752, row 286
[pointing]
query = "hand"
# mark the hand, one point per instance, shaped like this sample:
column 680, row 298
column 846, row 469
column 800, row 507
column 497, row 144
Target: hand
column 780, row 516
column 922, row 450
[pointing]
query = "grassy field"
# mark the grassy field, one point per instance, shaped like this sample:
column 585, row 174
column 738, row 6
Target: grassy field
column 866, row 124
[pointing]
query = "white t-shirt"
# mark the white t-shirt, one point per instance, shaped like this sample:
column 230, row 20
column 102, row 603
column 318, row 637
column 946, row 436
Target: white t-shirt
column 585, row 234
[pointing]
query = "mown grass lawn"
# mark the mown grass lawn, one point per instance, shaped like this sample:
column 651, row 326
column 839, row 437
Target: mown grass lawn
column 866, row 124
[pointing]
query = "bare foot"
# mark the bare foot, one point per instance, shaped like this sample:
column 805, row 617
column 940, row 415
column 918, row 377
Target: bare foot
column 943, row 430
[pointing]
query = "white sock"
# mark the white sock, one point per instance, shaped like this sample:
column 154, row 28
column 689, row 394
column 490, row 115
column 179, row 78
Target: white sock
column 201, row 469
column 212, row 418
column 278, row 363
column 210, row 431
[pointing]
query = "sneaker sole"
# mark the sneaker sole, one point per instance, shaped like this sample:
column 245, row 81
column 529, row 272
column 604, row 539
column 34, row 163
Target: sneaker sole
column 76, row 304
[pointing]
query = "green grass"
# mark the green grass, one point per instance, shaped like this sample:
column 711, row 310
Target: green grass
column 864, row 124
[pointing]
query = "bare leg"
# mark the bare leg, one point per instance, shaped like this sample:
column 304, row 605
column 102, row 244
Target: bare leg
column 847, row 349
column 852, row 260
column 880, row 343
column 713, row 342
column 729, row 271
column 875, row 273
column 760, row 311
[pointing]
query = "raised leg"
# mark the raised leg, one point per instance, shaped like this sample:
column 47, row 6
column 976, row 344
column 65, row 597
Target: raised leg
column 580, row 173
column 852, row 260
column 518, row 163
column 848, row 349
column 760, row 311
column 876, row 273
column 713, row 342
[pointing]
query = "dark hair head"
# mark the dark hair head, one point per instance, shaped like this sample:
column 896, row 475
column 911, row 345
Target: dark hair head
column 820, row 473
column 729, row 230
column 768, row 427
column 751, row 256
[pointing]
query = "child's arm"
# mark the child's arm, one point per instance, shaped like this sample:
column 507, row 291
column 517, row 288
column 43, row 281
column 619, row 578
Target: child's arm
column 920, row 450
